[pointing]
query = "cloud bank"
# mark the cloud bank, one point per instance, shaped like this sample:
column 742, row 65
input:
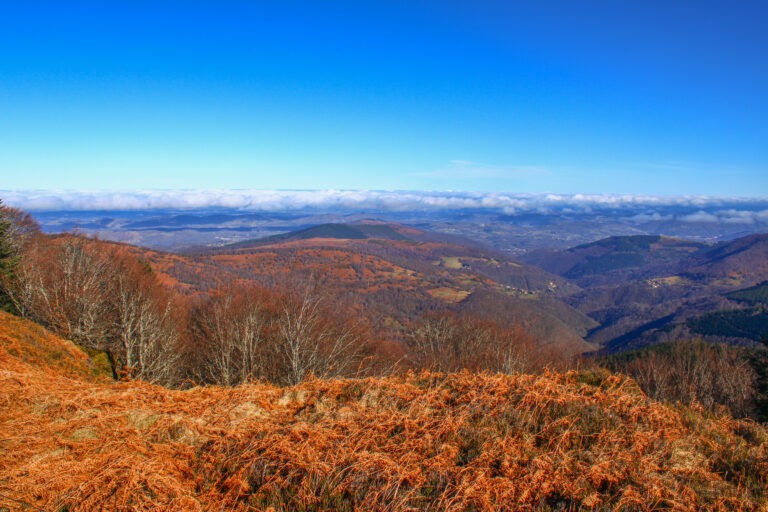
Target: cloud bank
column 640, row 208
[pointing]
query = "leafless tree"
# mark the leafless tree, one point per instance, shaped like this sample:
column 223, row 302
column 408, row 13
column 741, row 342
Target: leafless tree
column 447, row 342
column 232, row 328
column 694, row 372
column 71, row 288
column 101, row 297
column 312, row 339
column 17, row 230
column 148, row 339
column 284, row 334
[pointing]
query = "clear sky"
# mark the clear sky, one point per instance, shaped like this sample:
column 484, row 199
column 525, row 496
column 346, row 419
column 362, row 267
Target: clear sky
column 647, row 97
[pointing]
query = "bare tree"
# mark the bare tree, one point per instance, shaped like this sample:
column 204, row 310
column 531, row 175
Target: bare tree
column 312, row 339
column 101, row 297
column 694, row 372
column 447, row 342
column 284, row 334
column 67, row 287
column 17, row 229
column 232, row 327
column 144, row 327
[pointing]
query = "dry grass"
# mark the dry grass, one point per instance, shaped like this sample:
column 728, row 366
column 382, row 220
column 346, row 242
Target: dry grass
column 446, row 294
column 451, row 262
column 414, row 442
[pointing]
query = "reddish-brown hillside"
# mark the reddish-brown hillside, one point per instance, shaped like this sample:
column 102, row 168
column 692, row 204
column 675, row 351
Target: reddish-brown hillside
column 739, row 263
column 392, row 280
column 25, row 344
column 419, row 441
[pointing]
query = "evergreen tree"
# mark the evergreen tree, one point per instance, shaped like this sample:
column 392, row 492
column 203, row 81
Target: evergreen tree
column 8, row 256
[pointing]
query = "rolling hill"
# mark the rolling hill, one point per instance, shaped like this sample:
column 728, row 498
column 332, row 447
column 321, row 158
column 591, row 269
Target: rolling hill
column 644, row 289
column 395, row 274
column 359, row 231
column 617, row 259
column 739, row 263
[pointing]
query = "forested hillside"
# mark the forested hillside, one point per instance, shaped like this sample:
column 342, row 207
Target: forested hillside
column 643, row 290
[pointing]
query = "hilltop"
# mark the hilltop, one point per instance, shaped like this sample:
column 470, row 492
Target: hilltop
column 740, row 262
column 358, row 231
column 441, row 441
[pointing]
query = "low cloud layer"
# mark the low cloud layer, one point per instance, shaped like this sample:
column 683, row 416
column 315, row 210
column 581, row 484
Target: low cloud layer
column 639, row 208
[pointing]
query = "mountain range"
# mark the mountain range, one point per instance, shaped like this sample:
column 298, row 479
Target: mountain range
column 646, row 289
column 611, row 295
column 395, row 275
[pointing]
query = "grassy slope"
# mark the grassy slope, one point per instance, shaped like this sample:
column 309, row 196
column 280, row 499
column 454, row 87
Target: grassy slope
column 455, row 442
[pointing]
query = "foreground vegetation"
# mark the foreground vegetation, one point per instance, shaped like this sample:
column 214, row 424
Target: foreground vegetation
column 575, row 440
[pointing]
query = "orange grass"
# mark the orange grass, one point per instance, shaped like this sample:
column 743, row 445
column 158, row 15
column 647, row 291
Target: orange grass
column 418, row 441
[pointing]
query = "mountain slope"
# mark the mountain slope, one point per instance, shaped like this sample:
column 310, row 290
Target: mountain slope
column 617, row 259
column 646, row 289
column 358, row 231
column 417, row 250
column 26, row 344
column 426, row 441
column 738, row 263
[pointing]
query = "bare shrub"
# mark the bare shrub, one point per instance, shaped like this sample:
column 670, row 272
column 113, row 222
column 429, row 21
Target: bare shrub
column 693, row 372
column 448, row 343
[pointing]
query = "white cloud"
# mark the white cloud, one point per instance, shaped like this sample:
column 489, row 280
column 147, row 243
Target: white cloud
column 728, row 216
column 649, row 217
column 700, row 216
column 638, row 208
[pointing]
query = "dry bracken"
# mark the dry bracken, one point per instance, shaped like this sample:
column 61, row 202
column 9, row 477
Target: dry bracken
column 420, row 441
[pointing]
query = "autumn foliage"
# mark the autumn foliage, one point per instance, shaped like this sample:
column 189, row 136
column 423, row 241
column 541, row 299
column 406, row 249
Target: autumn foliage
column 432, row 441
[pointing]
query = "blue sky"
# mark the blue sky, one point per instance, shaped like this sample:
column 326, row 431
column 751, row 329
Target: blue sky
column 652, row 97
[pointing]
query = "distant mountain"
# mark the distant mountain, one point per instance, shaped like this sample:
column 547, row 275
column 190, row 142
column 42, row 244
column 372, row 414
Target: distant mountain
column 333, row 231
column 617, row 259
column 165, row 222
column 741, row 262
column 645, row 289
column 366, row 229
column 617, row 293
column 417, row 249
